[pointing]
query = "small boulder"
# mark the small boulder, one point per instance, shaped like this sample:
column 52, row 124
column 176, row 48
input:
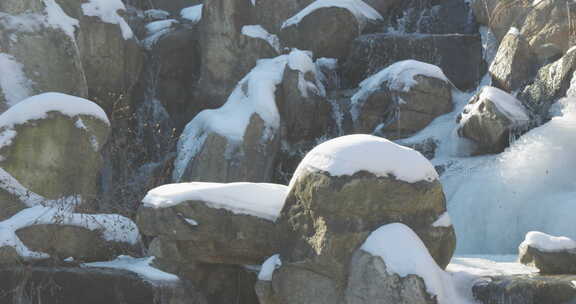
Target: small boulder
column 550, row 254
column 347, row 187
column 515, row 63
column 327, row 28
column 491, row 117
column 401, row 99
column 212, row 223
column 393, row 266
column 238, row 141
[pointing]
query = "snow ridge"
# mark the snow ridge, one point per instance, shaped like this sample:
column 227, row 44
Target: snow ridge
column 358, row 8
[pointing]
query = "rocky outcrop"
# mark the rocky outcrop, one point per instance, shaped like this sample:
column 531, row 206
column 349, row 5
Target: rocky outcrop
column 71, row 285
column 490, row 119
column 551, row 82
column 52, row 151
column 500, row 15
column 205, row 231
column 313, row 28
column 526, row 289
column 459, row 56
column 515, row 63
column 271, row 14
column 401, row 99
column 327, row 216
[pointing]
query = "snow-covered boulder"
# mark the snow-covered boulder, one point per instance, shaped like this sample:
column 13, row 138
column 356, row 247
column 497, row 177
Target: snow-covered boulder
column 490, row 118
column 394, row 266
column 515, row 63
column 229, row 49
column 54, row 231
column 213, row 223
column 238, row 141
column 401, row 99
column 124, row 280
column 459, row 56
column 38, row 52
column 50, row 149
column 347, row 187
column 327, row 27
column 550, row 254
column 551, row 83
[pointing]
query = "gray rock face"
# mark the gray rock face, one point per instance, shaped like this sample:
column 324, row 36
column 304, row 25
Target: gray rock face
column 316, row 32
column 272, row 13
column 551, row 82
column 226, row 54
column 500, row 15
column 526, row 289
column 488, row 121
column 370, row 283
column 459, row 56
column 111, row 63
column 326, row 218
column 396, row 113
column 58, row 68
column 515, row 63
column 556, row 262
column 55, row 158
column 220, row 160
column 72, row 285
column 193, row 232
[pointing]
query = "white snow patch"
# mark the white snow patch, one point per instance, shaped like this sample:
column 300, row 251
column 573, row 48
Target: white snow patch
column 302, row 62
column 192, row 13
column 156, row 14
column 38, row 106
column 113, row 227
column 261, row 200
column 404, row 253
column 107, row 11
column 514, row 31
column 14, row 84
column 254, row 94
column 443, row 221
column 349, row 154
column 548, row 243
column 358, row 8
column 157, row 26
column 141, row 266
column 506, row 104
column 268, row 267
column 57, row 18
column 191, row 222
column 257, row 31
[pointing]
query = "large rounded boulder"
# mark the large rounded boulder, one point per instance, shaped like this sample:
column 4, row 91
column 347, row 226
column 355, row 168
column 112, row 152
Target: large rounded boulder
column 346, row 188
column 50, row 147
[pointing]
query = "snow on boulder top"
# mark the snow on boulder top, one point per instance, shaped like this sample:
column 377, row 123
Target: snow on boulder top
column 548, row 243
column 349, row 154
column 140, row 266
column 399, row 76
column 254, row 94
column 257, row 31
column 14, row 84
column 260, row 200
column 107, row 11
column 37, row 107
column 404, row 253
column 506, row 104
column 358, row 8
column 192, row 13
